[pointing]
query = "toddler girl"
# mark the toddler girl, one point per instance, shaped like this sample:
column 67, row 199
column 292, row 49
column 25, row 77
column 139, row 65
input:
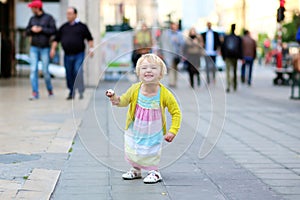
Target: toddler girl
column 146, row 119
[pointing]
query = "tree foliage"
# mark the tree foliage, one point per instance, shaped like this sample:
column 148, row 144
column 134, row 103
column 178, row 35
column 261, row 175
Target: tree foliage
column 289, row 30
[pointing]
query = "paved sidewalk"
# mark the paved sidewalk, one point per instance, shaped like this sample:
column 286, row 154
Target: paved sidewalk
column 35, row 138
column 257, row 156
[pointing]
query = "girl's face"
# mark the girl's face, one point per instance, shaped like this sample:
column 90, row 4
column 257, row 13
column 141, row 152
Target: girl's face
column 149, row 72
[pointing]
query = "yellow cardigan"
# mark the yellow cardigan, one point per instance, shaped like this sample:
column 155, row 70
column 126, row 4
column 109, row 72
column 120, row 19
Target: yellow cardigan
column 166, row 100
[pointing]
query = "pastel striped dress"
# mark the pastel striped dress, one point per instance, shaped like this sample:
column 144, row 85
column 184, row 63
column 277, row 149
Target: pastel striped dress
column 143, row 138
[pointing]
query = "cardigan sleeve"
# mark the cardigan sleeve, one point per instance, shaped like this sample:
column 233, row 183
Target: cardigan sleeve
column 125, row 98
column 174, row 110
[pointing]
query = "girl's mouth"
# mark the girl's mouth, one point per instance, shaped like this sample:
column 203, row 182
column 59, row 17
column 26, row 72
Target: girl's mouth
column 148, row 76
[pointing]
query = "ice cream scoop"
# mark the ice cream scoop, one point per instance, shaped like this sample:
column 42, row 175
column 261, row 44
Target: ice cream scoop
column 110, row 93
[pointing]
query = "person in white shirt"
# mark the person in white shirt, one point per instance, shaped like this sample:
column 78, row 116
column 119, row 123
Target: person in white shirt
column 173, row 42
column 211, row 45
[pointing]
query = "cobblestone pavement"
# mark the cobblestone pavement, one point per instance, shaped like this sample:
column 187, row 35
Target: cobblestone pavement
column 256, row 157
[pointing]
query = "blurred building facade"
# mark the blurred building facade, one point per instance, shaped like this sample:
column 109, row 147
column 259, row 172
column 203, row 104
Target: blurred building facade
column 135, row 11
column 14, row 16
column 256, row 15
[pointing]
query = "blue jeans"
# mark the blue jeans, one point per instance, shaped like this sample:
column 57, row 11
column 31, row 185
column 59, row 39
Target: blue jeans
column 249, row 62
column 74, row 72
column 37, row 53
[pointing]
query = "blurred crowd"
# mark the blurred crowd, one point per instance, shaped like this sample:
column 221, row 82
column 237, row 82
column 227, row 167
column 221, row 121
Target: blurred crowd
column 193, row 51
column 185, row 50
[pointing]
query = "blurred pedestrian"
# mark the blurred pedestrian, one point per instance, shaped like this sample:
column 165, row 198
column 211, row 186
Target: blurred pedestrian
column 211, row 44
column 192, row 51
column 172, row 43
column 142, row 43
column 249, row 55
column 146, row 119
column 41, row 27
column 267, row 51
column 231, row 51
column 72, row 35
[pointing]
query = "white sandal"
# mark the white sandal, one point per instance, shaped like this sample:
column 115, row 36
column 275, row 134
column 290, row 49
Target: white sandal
column 153, row 177
column 132, row 174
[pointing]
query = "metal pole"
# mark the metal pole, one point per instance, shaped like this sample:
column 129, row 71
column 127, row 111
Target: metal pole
column 0, row 52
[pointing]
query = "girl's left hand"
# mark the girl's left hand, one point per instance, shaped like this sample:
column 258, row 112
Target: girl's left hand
column 169, row 137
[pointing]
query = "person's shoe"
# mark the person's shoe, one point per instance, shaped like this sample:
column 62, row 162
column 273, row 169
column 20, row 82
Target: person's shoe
column 153, row 177
column 243, row 79
column 132, row 174
column 50, row 93
column 34, row 96
column 70, row 97
column 81, row 96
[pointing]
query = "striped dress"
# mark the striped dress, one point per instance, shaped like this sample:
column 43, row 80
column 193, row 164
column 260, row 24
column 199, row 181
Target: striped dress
column 143, row 138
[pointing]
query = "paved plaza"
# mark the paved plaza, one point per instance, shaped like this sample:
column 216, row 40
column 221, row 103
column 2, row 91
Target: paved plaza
column 58, row 149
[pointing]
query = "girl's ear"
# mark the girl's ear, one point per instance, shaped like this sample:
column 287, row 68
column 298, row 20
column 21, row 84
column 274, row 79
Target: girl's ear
column 161, row 75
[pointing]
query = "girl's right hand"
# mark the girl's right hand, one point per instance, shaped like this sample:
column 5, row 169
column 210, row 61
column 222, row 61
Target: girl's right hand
column 114, row 100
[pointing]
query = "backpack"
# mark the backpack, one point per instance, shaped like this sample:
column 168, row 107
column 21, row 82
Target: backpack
column 231, row 45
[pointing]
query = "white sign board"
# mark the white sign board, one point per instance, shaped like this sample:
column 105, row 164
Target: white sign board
column 116, row 50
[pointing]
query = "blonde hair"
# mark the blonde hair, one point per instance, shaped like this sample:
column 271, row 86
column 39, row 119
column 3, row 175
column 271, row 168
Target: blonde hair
column 154, row 59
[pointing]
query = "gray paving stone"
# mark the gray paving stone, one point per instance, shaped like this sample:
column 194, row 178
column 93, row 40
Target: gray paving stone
column 292, row 165
column 139, row 187
column 292, row 197
column 262, row 166
column 193, row 192
column 271, row 171
column 185, row 179
column 247, row 189
column 296, row 170
column 287, row 190
column 141, row 196
column 290, row 176
column 83, row 190
column 282, row 182
column 82, row 174
column 82, row 196
column 88, row 182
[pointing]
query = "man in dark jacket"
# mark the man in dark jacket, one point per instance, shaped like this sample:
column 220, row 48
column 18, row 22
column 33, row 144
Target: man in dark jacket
column 231, row 51
column 41, row 27
column 249, row 53
column 72, row 35
column 211, row 43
